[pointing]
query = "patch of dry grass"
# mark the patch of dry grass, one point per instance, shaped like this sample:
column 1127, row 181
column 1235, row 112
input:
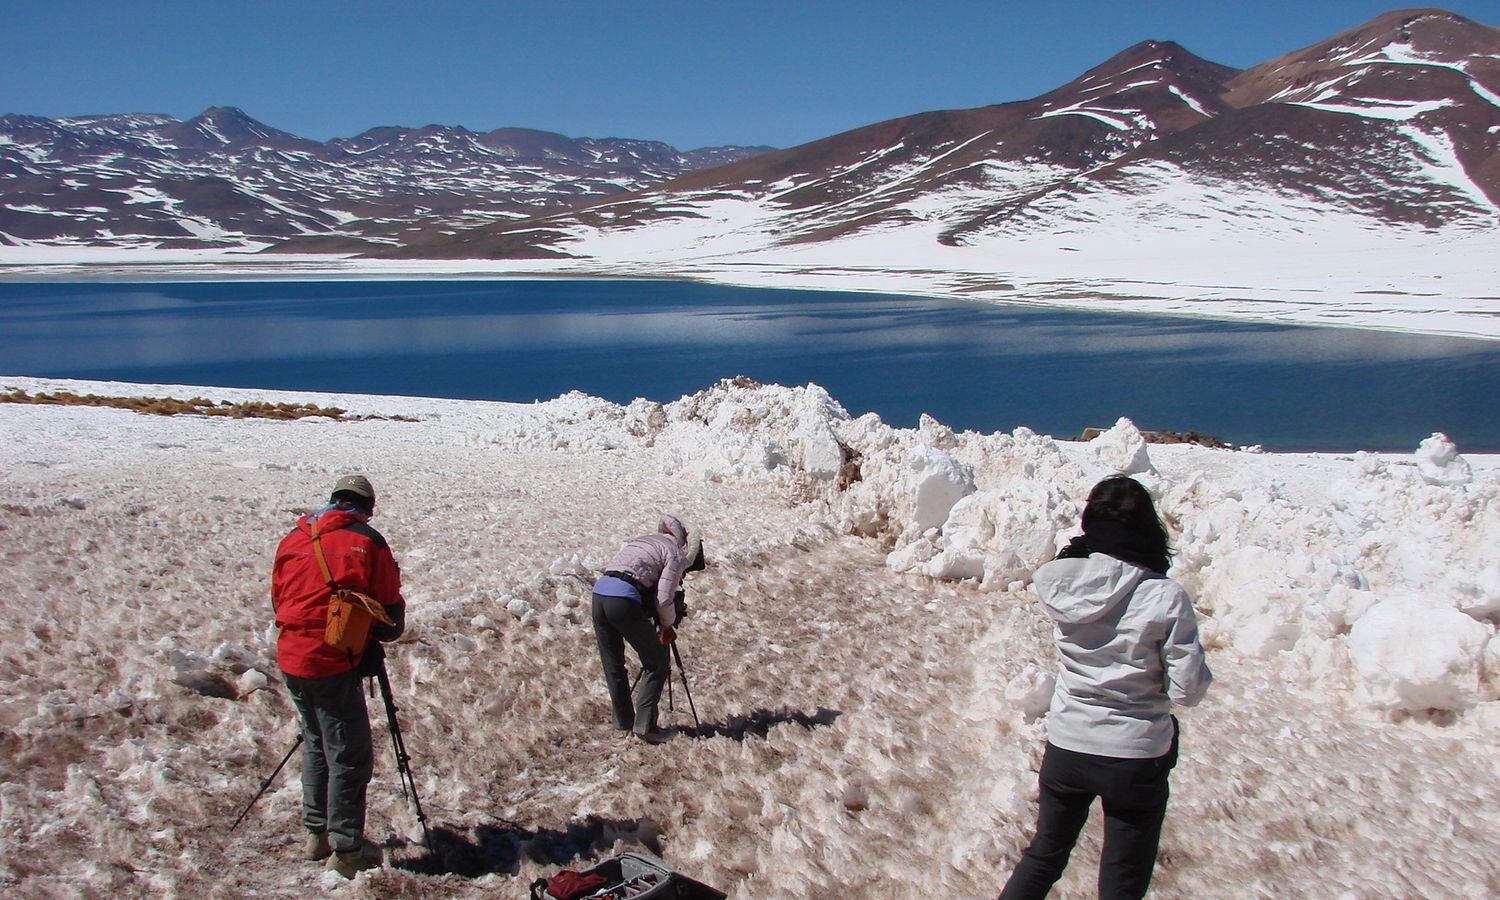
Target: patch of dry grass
column 1165, row 437
column 198, row 406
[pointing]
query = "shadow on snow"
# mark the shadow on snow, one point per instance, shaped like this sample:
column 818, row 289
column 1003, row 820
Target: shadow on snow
column 500, row 848
column 760, row 722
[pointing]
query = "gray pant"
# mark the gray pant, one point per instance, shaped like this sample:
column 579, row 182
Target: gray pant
column 621, row 619
column 337, row 760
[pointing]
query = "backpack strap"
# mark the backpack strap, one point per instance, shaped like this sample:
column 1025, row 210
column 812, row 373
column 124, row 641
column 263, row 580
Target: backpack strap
column 318, row 552
column 364, row 601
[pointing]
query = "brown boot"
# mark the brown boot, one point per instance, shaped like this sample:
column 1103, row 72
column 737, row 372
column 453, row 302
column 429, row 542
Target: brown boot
column 656, row 735
column 349, row 863
column 316, row 847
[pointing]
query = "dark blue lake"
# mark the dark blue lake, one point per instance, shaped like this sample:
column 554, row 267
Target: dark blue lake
column 972, row 366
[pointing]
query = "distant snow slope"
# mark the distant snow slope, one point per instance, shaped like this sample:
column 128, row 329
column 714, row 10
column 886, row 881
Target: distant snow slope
column 865, row 652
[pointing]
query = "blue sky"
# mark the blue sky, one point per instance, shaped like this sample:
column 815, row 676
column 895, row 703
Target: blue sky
column 692, row 74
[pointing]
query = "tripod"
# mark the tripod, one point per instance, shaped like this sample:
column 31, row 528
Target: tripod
column 403, row 761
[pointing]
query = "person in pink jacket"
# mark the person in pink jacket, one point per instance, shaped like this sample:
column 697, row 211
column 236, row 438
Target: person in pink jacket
column 634, row 603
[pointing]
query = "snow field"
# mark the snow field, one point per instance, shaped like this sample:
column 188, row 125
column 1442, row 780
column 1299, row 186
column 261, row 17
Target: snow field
column 866, row 655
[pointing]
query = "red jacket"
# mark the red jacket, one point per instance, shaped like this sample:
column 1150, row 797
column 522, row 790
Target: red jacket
column 358, row 559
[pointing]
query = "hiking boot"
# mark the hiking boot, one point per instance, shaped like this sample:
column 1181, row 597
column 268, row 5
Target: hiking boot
column 316, row 847
column 654, row 736
column 349, row 863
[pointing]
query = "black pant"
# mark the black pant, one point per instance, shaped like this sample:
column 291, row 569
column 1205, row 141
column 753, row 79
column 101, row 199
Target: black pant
column 621, row 619
column 1134, row 794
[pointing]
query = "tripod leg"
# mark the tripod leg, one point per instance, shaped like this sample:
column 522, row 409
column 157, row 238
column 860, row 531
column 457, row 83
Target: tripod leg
column 394, row 729
column 267, row 782
column 683, row 672
column 403, row 761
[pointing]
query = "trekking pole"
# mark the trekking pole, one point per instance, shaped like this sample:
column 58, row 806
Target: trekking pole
column 267, row 782
column 683, row 672
column 403, row 761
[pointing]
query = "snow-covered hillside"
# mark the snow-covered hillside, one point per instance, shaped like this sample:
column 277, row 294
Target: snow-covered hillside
column 1385, row 131
column 1355, row 178
column 868, row 659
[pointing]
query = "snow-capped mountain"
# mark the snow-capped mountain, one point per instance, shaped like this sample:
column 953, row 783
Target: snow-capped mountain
column 225, row 179
column 1390, row 127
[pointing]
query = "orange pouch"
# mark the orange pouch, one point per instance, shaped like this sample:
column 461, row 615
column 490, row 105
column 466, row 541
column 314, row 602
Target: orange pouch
column 350, row 615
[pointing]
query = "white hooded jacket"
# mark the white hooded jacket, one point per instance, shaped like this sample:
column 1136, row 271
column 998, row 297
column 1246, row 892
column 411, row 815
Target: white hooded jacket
column 1128, row 639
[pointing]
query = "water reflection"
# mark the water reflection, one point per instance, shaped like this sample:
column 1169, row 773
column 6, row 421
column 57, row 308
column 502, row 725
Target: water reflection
column 972, row 366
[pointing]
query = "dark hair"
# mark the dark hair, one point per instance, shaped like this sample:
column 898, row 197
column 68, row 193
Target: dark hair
column 1121, row 506
column 358, row 501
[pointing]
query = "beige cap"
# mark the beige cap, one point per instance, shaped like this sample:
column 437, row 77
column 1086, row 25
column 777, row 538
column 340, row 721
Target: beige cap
column 355, row 484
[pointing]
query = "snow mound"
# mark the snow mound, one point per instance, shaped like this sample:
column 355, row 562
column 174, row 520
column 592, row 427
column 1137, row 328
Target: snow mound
column 1412, row 656
column 1439, row 463
column 1122, row 449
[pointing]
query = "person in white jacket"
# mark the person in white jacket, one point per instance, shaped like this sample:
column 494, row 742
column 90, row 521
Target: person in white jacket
column 1128, row 641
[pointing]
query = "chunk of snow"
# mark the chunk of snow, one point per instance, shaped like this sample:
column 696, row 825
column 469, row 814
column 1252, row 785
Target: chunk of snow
column 1438, row 462
column 939, row 482
column 1414, row 656
column 1122, row 449
column 251, row 680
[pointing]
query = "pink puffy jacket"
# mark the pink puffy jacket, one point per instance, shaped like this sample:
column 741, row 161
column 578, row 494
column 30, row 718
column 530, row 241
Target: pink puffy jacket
column 657, row 559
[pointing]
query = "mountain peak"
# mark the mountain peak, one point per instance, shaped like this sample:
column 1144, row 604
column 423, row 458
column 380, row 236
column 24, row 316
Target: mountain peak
column 1153, row 49
column 224, row 113
column 1149, row 88
column 1399, row 38
column 1422, row 19
column 1147, row 62
column 228, row 117
column 1427, row 31
column 229, row 126
column 1162, row 56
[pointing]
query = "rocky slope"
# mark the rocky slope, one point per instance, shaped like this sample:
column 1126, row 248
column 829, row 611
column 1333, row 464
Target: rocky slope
column 1393, row 126
column 223, row 179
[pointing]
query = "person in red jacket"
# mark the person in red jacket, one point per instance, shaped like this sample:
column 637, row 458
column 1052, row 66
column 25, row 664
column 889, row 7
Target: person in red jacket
column 324, row 682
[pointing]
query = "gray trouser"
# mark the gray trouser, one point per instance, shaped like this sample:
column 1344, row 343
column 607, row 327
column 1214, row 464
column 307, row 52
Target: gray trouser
column 336, row 756
column 621, row 619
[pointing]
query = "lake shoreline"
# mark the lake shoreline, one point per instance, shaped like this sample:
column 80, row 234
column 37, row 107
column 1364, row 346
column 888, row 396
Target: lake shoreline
column 972, row 366
column 1334, row 301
